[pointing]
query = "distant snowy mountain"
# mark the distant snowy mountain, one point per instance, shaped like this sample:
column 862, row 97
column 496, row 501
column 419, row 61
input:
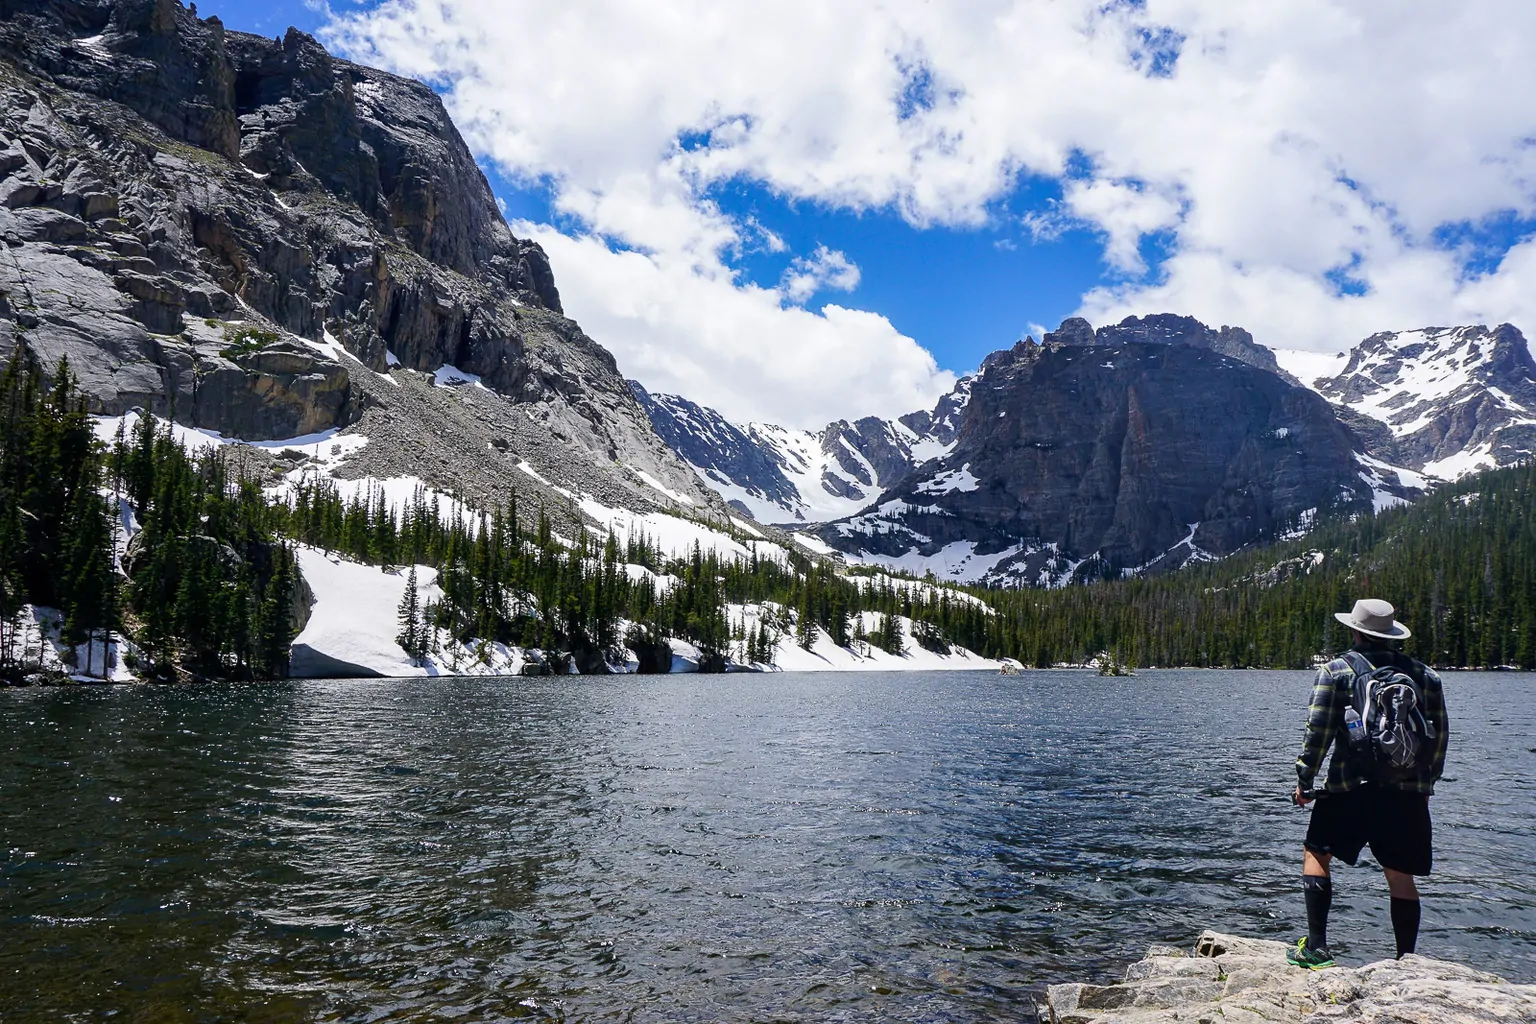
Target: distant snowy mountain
column 1131, row 448
column 1446, row 401
column 1099, row 455
column 781, row 475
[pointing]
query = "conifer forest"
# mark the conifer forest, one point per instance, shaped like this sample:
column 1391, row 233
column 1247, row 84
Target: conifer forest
column 209, row 583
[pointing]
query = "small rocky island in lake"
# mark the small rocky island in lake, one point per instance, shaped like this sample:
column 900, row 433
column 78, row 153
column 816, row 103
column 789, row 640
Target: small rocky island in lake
column 1233, row 980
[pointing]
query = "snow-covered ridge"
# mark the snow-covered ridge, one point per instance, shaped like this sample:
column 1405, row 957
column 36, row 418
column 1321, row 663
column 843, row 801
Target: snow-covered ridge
column 1446, row 401
column 784, row 475
column 1402, row 378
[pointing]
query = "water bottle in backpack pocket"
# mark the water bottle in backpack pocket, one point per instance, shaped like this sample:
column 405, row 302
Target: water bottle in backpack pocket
column 1395, row 739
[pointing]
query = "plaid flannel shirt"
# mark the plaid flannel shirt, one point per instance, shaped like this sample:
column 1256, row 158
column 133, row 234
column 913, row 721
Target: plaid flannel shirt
column 1331, row 694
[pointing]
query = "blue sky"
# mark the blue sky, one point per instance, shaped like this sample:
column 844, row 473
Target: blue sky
column 800, row 211
column 960, row 292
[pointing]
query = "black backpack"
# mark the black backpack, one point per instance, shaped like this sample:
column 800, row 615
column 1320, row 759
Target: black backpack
column 1390, row 702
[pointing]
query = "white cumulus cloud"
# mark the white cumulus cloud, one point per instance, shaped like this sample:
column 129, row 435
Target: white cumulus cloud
column 824, row 268
column 1269, row 146
column 745, row 352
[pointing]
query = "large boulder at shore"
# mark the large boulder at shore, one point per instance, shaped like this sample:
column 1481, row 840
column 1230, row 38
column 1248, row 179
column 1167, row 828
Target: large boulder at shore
column 1233, row 980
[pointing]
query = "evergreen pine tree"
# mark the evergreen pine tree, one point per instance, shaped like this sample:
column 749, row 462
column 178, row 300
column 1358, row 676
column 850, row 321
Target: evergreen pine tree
column 89, row 593
column 805, row 627
column 410, row 637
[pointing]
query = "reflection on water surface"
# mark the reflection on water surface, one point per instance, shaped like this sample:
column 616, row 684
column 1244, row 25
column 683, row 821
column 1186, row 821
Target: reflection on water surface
column 788, row 847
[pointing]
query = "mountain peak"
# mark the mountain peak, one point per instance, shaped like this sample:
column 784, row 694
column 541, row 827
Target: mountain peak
column 1171, row 329
column 1451, row 400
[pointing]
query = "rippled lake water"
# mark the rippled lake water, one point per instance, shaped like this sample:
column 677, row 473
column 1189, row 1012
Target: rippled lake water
column 744, row 848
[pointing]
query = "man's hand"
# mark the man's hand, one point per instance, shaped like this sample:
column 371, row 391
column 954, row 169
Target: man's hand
column 1299, row 798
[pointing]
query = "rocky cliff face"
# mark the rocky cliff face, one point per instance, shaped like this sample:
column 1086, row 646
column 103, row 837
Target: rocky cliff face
column 1135, row 447
column 783, row 476
column 747, row 471
column 1078, row 461
column 786, row 476
column 1445, row 400
column 240, row 231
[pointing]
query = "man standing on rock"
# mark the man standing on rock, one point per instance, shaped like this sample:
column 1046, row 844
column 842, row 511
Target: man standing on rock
column 1384, row 714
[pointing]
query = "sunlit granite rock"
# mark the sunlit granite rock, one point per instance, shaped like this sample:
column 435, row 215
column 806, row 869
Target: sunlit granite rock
column 1232, row 980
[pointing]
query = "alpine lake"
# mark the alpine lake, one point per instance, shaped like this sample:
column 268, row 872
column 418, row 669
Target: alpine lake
column 784, row 847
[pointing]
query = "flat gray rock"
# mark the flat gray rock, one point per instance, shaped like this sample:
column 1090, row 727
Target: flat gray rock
column 1233, row 980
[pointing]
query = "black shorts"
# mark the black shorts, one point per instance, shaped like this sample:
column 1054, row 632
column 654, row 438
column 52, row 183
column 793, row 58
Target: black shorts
column 1394, row 823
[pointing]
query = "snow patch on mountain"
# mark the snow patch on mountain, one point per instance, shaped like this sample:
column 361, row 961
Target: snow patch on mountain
column 1444, row 400
column 783, row 475
column 1462, row 463
column 355, row 618
column 885, row 520
column 825, row 656
column 327, row 448
column 951, row 480
column 958, row 561
column 654, row 484
column 815, row 545
column 1388, row 483
column 675, row 537
column 446, row 376
column 1309, row 367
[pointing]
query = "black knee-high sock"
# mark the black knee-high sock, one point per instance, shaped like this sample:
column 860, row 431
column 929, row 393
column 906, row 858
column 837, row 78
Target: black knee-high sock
column 1405, row 925
column 1318, row 891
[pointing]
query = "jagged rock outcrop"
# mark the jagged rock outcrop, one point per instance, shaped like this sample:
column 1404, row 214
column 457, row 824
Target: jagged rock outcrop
column 1079, row 462
column 1247, row 981
column 1171, row 329
column 941, row 424
column 1446, row 400
column 782, row 475
column 239, row 230
column 865, row 455
column 726, row 456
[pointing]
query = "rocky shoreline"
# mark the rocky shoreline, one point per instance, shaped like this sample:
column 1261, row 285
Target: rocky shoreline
column 1233, row 980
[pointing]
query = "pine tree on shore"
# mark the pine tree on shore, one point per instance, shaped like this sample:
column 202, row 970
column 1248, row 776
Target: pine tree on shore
column 411, row 638
column 89, row 597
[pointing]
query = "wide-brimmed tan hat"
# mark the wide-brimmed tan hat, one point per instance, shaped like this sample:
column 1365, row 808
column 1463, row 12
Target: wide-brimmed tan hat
column 1374, row 618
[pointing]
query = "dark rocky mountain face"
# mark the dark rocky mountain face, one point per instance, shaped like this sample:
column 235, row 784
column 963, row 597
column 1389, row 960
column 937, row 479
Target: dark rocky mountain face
column 1171, row 329
column 243, row 229
column 1077, row 461
column 1446, row 400
column 1133, row 447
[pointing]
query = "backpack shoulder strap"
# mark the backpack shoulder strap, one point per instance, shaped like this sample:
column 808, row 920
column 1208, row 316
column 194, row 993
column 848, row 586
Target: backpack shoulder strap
column 1358, row 663
column 1360, row 669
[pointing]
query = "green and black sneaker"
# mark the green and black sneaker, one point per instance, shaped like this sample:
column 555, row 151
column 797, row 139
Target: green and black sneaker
column 1300, row 955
